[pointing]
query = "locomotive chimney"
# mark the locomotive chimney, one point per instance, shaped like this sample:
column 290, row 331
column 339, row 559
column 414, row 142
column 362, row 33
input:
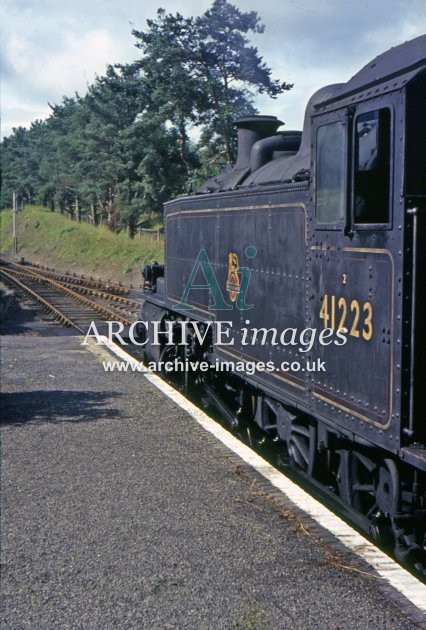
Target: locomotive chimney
column 250, row 130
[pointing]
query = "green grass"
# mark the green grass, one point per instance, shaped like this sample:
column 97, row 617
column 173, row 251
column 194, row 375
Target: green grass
column 52, row 239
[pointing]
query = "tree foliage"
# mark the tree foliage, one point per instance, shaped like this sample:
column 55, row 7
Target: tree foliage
column 233, row 70
column 202, row 71
column 125, row 147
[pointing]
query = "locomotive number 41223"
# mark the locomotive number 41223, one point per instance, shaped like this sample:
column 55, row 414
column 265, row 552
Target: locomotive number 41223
column 337, row 313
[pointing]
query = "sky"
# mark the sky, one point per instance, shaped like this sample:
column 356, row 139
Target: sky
column 55, row 48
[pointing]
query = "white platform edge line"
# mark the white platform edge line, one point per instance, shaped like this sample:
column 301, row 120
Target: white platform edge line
column 389, row 570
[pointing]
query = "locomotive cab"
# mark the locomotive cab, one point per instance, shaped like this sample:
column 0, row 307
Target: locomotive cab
column 367, row 263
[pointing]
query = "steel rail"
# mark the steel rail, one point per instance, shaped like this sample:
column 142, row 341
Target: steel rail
column 103, row 294
column 99, row 292
column 66, row 277
column 61, row 316
column 94, row 306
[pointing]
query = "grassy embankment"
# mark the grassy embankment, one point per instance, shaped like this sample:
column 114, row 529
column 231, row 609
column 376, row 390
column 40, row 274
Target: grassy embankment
column 52, row 239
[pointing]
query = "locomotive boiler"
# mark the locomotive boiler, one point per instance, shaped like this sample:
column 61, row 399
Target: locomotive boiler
column 294, row 292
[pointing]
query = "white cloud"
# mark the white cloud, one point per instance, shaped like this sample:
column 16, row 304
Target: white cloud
column 80, row 58
column 36, row 74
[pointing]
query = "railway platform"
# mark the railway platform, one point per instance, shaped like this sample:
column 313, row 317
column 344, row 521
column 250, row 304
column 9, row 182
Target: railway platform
column 120, row 511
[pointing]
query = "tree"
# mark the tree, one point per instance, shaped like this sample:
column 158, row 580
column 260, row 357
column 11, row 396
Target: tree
column 202, row 71
column 171, row 77
column 64, row 154
column 20, row 156
column 153, row 171
column 233, row 70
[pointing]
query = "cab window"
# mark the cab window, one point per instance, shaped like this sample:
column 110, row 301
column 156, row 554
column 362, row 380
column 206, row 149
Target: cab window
column 372, row 167
column 330, row 173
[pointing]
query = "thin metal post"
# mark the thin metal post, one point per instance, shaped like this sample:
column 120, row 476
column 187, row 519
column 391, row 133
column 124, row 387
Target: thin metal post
column 409, row 431
column 15, row 226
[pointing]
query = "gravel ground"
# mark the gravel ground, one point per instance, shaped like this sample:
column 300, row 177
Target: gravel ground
column 119, row 511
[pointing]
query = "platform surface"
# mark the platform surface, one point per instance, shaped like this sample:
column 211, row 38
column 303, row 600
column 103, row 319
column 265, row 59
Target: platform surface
column 119, row 511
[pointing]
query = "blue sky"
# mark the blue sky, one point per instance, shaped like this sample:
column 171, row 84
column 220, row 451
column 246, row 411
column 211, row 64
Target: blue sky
column 52, row 48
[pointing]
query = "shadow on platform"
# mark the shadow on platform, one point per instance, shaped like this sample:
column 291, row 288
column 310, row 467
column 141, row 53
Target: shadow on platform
column 57, row 406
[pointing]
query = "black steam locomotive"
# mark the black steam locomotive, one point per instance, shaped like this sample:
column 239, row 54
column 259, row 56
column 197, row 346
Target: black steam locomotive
column 294, row 292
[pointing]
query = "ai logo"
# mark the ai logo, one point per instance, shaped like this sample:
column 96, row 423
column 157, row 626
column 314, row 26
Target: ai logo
column 237, row 284
column 233, row 283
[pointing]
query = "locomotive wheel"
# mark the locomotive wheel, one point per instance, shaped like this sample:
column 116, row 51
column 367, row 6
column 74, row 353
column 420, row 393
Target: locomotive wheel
column 245, row 417
column 370, row 488
column 301, row 446
column 388, row 488
column 355, row 479
column 180, row 378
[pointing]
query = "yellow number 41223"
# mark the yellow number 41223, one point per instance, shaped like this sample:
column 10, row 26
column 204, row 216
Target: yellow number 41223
column 337, row 314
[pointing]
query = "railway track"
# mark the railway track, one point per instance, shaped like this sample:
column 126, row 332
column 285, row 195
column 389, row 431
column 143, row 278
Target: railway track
column 70, row 299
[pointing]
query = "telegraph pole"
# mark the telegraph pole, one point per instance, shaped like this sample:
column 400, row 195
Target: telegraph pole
column 15, row 227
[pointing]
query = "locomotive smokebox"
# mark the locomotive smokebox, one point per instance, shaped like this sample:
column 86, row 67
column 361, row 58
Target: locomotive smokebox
column 251, row 129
